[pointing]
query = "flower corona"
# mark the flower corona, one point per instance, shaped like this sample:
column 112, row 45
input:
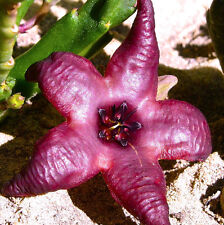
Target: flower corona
column 115, row 124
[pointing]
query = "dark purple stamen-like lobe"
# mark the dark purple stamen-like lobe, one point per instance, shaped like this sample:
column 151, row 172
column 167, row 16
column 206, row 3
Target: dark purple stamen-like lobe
column 119, row 115
column 114, row 125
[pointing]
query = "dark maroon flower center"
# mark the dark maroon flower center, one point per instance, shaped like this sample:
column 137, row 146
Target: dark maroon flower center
column 116, row 124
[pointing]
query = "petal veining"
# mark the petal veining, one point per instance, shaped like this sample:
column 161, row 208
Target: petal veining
column 133, row 67
column 62, row 159
column 71, row 83
column 140, row 188
column 175, row 130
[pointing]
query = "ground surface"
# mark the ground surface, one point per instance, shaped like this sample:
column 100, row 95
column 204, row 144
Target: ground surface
column 193, row 189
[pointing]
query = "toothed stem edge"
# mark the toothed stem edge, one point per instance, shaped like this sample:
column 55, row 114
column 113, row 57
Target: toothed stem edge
column 8, row 33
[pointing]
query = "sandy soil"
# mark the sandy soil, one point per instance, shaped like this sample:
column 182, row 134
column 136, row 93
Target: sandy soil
column 193, row 189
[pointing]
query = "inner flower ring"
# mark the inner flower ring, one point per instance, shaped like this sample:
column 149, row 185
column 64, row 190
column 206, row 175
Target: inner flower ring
column 115, row 124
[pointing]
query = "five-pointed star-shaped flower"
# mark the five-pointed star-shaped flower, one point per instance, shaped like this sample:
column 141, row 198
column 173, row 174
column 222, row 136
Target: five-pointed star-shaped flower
column 114, row 126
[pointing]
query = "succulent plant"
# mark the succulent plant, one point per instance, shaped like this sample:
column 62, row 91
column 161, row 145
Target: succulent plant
column 83, row 31
column 114, row 125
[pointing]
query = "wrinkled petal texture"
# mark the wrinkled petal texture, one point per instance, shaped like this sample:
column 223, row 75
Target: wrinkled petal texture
column 139, row 186
column 72, row 153
column 64, row 158
column 174, row 130
column 71, row 83
column 133, row 67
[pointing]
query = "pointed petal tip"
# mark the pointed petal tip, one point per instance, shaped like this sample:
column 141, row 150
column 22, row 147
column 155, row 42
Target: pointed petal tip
column 33, row 72
column 12, row 189
column 133, row 66
column 7, row 190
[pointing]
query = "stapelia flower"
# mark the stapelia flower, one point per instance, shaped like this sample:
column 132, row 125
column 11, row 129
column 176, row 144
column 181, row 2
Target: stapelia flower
column 114, row 126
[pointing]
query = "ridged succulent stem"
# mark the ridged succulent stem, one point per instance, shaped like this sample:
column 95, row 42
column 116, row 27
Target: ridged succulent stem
column 8, row 32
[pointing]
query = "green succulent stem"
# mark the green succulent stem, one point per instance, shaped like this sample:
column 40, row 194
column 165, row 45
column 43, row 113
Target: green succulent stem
column 6, row 88
column 8, row 32
column 11, row 13
column 82, row 32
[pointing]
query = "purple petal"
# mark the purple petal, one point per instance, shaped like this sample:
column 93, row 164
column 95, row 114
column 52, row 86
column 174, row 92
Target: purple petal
column 133, row 67
column 139, row 186
column 175, row 130
column 71, row 83
column 64, row 158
